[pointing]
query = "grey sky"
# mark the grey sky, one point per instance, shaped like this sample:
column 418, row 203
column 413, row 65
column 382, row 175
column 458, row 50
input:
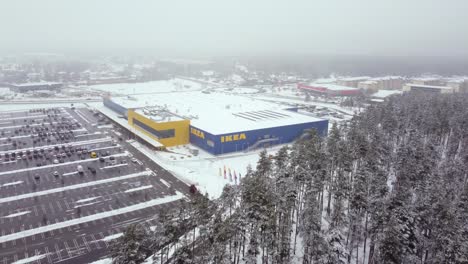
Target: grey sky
column 236, row 27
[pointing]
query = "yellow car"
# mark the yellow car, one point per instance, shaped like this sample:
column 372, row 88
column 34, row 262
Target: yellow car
column 93, row 155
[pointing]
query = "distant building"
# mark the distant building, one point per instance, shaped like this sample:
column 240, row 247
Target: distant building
column 369, row 85
column 428, row 88
column 382, row 83
column 35, row 86
column 227, row 123
column 434, row 81
column 352, row 81
column 382, row 94
column 459, row 85
column 34, row 77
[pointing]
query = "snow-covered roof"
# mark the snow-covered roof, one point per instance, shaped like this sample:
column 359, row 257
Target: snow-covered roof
column 426, row 79
column 208, row 73
column 386, row 78
column 158, row 114
column 385, row 93
column 220, row 113
column 148, row 87
column 359, row 78
column 457, row 79
column 333, row 87
column 369, row 82
column 429, row 86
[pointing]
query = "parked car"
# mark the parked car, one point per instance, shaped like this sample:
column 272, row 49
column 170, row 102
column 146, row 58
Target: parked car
column 80, row 170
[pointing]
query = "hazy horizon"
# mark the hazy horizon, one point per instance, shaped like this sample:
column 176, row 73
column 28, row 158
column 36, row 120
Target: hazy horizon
column 219, row 28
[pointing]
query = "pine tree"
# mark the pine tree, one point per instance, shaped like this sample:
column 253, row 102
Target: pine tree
column 132, row 247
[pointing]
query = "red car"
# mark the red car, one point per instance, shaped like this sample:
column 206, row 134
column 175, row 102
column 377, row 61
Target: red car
column 193, row 189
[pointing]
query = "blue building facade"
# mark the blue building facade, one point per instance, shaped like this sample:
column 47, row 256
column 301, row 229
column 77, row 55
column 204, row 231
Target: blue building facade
column 252, row 139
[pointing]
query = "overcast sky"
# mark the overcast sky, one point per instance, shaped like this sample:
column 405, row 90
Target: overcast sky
column 236, row 27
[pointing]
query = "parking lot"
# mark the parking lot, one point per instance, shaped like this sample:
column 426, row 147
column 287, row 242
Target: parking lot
column 69, row 183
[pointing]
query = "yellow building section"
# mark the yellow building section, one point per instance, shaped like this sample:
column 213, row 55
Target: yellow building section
column 171, row 133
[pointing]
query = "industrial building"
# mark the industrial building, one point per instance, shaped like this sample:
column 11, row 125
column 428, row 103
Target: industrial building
column 352, row 81
column 217, row 123
column 37, row 86
column 382, row 83
column 328, row 89
column 427, row 88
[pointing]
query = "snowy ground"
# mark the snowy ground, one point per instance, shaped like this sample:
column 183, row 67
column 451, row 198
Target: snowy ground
column 174, row 85
column 204, row 170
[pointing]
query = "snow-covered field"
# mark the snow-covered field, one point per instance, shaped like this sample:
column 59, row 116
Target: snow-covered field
column 165, row 86
column 238, row 90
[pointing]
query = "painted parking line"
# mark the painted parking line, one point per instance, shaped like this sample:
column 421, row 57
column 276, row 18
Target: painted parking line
column 114, row 166
column 101, row 216
column 76, row 143
column 57, row 165
column 31, row 125
column 57, row 251
column 22, row 117
column 49, row 258
column 78, row 112
column 103, row 148
column 72, row 187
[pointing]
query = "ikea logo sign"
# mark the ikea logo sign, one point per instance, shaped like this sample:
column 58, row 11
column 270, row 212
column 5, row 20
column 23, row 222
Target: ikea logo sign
column 197, row 133
column 233, row 137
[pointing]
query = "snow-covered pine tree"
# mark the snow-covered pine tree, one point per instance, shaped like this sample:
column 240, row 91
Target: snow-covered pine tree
column 133, row 247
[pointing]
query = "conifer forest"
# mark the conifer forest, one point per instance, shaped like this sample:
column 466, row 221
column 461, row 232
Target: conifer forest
column 389, row 186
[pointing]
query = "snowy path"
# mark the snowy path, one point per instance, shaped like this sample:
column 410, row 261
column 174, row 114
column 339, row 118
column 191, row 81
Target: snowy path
column 23, row 117
column 17, row 214
column 89, row 218
column 77, row 143
column 11, row 183
column 30, row 259
column 87, row 199
column 71, row 187
column 57, row 165
column 32, row 125
column 78, row 112
column 139, row 188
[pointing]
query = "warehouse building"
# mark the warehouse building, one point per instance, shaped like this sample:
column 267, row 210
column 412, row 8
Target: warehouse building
column 217, row 123
column 428, row 88
column 37, row 86
column 287, row 129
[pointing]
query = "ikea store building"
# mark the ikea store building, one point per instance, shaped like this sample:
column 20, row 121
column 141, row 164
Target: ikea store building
column 212, row 124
